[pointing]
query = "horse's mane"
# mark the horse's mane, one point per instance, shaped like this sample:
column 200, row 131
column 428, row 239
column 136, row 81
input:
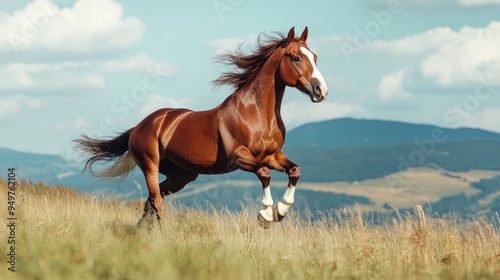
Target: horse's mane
column 246, row 67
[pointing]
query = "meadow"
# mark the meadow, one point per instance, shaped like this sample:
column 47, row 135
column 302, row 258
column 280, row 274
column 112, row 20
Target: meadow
column 61, row 234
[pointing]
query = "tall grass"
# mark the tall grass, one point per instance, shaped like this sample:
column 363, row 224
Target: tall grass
column 65, row 235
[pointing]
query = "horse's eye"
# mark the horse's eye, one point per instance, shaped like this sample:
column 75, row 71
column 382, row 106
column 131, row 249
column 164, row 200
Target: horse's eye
column 296, row 58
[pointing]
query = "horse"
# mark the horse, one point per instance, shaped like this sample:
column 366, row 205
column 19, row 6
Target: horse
column 246, row 131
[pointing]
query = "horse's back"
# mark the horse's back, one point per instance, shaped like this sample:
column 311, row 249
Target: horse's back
column 159, row 123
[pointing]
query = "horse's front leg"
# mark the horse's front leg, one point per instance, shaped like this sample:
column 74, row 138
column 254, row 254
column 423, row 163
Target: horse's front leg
column 265, row 217
column 281, row 163
column 246, row 161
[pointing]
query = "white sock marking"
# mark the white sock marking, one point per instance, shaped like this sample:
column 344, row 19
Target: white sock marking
column 267, row 201
column 288, row 200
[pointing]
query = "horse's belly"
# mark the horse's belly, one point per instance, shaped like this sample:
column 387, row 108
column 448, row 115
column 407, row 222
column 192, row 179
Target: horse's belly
column 195, row 164
column 194, row 146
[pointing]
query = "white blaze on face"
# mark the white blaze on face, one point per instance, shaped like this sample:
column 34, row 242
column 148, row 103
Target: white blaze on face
column 316, row 74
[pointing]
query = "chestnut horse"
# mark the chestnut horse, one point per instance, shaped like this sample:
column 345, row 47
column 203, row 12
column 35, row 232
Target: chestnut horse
column 245, row 132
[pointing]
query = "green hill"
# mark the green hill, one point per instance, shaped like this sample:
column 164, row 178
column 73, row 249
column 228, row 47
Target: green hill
column 349, row 133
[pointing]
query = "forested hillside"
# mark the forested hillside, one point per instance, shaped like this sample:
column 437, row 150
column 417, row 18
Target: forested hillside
column 358, row 164
column 485, row 203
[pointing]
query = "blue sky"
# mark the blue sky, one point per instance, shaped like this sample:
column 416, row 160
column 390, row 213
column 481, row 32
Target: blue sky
column 101, row 66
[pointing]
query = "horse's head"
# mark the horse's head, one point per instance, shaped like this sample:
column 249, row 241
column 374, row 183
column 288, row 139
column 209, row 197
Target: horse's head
column 298, row 68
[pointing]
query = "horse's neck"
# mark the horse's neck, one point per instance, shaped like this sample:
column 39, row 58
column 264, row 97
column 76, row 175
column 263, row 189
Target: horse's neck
column 267, row 90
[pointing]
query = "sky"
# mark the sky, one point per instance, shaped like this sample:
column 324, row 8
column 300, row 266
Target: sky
column 100, row 66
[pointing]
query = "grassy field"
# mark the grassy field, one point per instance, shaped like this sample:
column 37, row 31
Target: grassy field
column 61, row 234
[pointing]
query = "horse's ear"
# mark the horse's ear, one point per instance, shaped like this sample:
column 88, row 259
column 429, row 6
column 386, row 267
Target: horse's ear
column 291, row 35
column 303, row 37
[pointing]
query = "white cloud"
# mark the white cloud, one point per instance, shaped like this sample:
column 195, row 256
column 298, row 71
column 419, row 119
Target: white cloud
column 474, row 54
column 138, row 63
column 391, row 86
column 81, row 124
column 12, row 106
column 433, row 3
column 66, row 174
column 428, row 41
column 469, row 3
column 223, row 45
column 299, row 112
column 488, row 119
column 87, row 26
column 71, row 74
column 157, row 101
column 491, row 119
column 41, row 76
column 449, row 58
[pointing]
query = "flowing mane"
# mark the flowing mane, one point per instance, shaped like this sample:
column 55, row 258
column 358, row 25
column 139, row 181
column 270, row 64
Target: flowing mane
column 247, row 66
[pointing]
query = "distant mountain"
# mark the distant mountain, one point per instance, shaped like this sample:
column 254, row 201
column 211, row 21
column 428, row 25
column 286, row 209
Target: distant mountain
column 349, row 133
column 347, row 150
column 31, row 165
column 56, row 170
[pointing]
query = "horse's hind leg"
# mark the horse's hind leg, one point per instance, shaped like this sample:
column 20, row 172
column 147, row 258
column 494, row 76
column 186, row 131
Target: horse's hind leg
column 154, row 204
column 147, row 156
column 177, row 177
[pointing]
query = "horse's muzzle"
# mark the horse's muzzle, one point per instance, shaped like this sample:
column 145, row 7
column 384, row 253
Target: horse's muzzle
column 316, row 90
column 319, row 91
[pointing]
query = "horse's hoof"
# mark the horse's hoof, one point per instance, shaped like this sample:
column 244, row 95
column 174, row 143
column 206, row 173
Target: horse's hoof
column 144, row 223
column 263, row 223
column 148, row 219
column 138, row 225
column 277, row 217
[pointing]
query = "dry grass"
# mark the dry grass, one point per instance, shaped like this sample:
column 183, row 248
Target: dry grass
column 64, row 235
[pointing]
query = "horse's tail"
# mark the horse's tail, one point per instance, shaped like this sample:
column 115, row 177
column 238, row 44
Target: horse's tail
column 107, row 150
